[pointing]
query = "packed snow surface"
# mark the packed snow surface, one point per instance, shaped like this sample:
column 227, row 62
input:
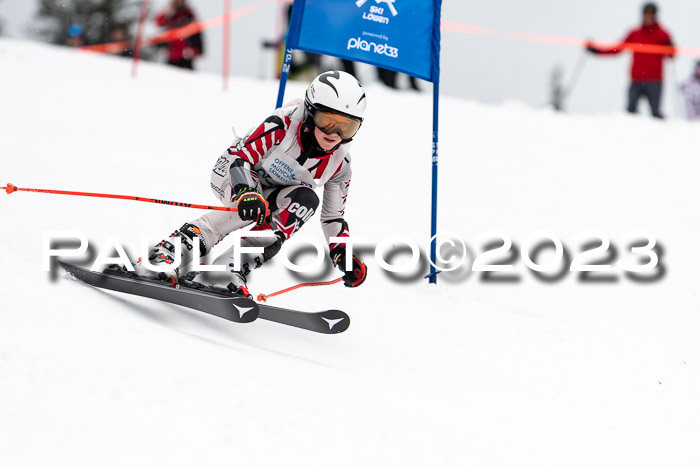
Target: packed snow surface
column 468, row 372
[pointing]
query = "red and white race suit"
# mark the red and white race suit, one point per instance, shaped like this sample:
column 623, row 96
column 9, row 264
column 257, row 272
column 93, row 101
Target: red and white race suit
column 278, row 159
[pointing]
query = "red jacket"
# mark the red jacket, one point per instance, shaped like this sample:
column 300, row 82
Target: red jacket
column 645, row 66
column 177, row 47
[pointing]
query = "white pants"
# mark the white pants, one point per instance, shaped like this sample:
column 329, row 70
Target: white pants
column 290, row 206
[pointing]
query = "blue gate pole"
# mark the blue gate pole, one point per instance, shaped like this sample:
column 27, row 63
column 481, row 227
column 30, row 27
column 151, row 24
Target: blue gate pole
column 283, row 77
column 433, row 220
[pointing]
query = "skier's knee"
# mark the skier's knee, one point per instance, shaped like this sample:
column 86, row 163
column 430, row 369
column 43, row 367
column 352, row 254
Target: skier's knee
column 304, row 202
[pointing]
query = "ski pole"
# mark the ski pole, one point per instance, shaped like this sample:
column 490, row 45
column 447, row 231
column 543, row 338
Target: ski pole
column 263, row 297
column 578, row 71
column 10, row 188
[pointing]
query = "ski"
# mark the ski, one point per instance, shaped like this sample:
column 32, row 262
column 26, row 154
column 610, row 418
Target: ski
column 213, row 300
column 216, row 301
column 325, row 322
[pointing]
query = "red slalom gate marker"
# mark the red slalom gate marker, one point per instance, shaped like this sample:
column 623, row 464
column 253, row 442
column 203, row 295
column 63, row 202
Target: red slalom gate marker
column 568, row 41
column 263, row 297
column 10, row 188
column 139, row 38
column 226, row 46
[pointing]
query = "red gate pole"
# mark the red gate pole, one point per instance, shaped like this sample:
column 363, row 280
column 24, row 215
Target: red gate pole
column 227, row 43
column 139, row 37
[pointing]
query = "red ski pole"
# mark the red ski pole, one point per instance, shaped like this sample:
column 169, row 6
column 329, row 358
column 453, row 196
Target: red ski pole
column 10, row 188
column 263, row 298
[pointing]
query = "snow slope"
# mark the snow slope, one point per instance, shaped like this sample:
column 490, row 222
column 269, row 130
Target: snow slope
column 462, row 373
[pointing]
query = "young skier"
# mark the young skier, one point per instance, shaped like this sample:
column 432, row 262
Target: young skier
column 270, row 175
column 691, row 94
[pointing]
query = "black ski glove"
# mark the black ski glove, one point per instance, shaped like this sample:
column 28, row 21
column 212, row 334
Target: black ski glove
column 354, row 277
column 252, row 206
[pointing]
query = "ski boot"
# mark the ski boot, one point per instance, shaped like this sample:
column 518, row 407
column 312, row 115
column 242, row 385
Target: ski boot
column 163, row 254
column 238, row 285
column 239, row 277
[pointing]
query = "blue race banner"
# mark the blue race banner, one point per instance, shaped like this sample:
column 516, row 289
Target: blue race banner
column 400, row 35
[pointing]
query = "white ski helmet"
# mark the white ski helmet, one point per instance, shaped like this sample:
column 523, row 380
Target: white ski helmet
column 337, row 91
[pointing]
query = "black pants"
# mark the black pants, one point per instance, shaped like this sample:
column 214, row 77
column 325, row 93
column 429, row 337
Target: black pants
column 651, row 90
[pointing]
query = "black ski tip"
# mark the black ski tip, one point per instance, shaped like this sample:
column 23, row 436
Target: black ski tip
column 244, row 310
column 337, row 321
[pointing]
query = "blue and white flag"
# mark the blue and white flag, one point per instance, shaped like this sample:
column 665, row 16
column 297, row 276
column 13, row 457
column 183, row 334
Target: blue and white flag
column 400, row 35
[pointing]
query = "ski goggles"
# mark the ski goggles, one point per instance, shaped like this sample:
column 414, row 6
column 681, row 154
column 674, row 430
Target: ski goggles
column 330, row 122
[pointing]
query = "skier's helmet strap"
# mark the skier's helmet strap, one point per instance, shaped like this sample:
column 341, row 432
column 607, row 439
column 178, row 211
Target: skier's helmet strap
column 337, row 91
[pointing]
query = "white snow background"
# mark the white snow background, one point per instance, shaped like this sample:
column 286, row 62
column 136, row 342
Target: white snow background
column 531, row 373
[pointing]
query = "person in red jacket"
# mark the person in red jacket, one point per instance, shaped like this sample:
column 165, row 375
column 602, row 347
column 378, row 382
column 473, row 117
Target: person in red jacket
column 181, row 52
column 647, row 68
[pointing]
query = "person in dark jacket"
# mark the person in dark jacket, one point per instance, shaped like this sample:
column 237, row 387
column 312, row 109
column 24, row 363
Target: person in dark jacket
column 182, row 51
column 647, row 68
